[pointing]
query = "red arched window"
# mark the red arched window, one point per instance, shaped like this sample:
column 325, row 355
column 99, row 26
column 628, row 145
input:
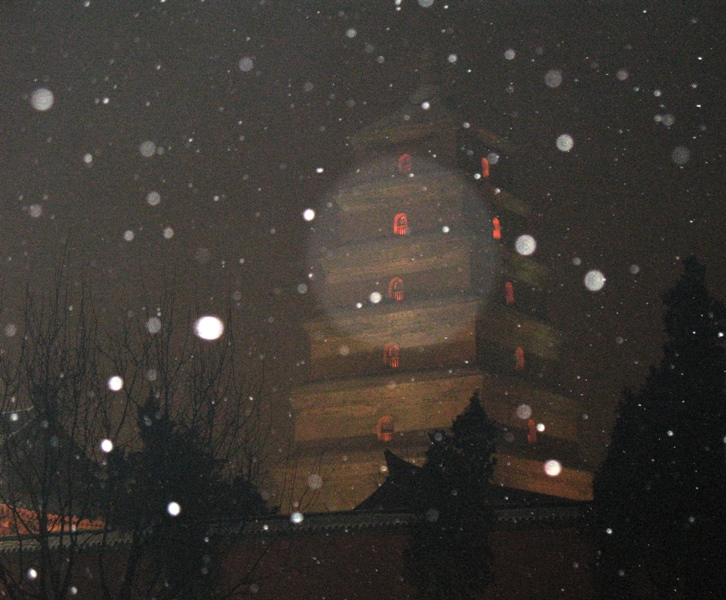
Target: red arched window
column 519, row 365
column 395, row 289
column 497, row 229
column 405, row 164
column 509, row 292
column 531, row 431
column 400, row 224
column 385, row 428
column 391, row 356
column 484, row 167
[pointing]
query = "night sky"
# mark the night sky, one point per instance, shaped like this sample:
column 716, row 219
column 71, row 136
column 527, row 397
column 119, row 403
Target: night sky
column 249, row 106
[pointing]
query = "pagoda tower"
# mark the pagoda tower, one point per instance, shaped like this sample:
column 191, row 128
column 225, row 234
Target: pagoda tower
column 429, row 290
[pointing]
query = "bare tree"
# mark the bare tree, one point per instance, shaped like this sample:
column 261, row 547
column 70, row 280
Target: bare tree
column 52, row 405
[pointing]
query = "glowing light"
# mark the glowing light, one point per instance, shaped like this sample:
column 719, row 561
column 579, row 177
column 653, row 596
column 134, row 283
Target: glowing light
column 31, row 574
column 525, row 245
column 565, row 142
column 42, row 99
column 594, row 280
column 106, row 446
column 209, row 328
column 540, row 427
column 308, row 214
column 115, row 383
column 296, row 518
column 173, row 508
column 375, row 297
column 524, row 411
column 552, row 468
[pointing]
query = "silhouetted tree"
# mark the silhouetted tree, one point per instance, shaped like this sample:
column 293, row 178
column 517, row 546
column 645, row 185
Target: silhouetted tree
column 660, row 495
column 449, row 553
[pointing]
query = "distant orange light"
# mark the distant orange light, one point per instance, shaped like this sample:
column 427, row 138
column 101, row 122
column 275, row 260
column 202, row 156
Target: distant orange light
column 484, row 167
column 386, row 428
column 391, row 356
column 497, row 229
column 531, row 431
column 509, row 292
column 395, row 289
column 520, row 359
column 400, row 224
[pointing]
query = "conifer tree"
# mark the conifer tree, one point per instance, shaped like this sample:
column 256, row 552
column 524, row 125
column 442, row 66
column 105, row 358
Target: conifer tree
column 660, row 495
column 449, row 554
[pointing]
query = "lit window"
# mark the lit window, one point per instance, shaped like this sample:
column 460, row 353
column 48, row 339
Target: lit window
column 531, row 431
column 385, row 428
column 400, row 224
column 484, row 167
column 405, row 164
column 497, row 229
column 509, row 292
column 395, row 289
column 391, row 355
column 520, row 359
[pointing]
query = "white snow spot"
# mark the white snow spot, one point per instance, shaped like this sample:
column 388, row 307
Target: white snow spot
column 308, row 214
column 296, row 518
column 452, row 58
column 153, row 325
column 106, row 446
column 552, row 468
column 88, row 158
column 115, row 383
column 129, row 235
column 553, row 78
column 35, row 210
column 594, row 280
column 351, row 33
column 153, row 198
column 246, row 64
column 622, row 74
column 173, row 508
column 510, row 54
column 147, row 149
column 42, row 99
column 525, row 245
column 524, row 411
column 565, row 142
column 168, row 233
column 209, row 328
column 426, row 3
column 681, row 155
column 375, row 297
column 315, row 481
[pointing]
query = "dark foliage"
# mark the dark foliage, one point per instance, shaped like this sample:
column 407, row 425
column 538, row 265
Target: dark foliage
column 173, row 466
column 660, row 495
column 449, row 553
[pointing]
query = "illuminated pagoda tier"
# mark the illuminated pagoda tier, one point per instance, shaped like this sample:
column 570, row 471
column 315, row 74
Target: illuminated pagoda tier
column 424, row 301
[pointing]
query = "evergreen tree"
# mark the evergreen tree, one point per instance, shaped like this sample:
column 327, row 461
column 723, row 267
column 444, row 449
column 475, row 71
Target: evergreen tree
column 660, row 495
column 449, row 553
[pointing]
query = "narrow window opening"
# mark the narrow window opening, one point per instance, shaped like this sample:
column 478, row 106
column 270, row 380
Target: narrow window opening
column 391, row 356
column 405, row 164
column 484, row 167
column 509, row 292
column 400, row 224
column 395, row 289
column 497, row 229
column 386, row 428
column 519, row 365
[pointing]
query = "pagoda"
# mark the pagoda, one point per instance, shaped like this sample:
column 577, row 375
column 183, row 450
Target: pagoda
column 429, row 289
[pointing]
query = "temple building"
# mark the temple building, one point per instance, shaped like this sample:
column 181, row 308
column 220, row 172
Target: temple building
column 429, row 289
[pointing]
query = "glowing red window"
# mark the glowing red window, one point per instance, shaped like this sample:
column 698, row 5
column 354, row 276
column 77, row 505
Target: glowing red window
column 531, row 431
column 391, row 356
column 385, row 428
column 484, row 167
column 509, row 292
column 497, row 229
column 405, row 164
column 395, row 289
column 400, row 224
column 519, row 365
